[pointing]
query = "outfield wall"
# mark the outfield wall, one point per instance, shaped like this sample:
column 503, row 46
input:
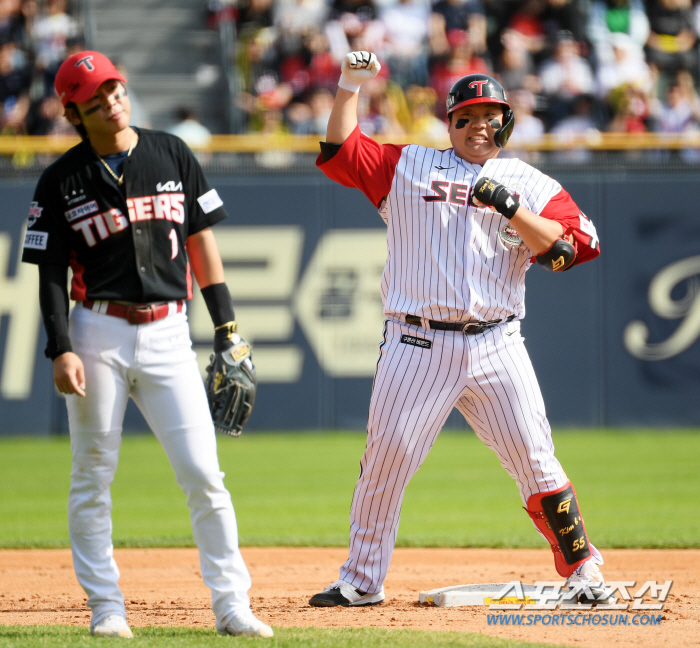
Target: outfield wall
column 614, row 342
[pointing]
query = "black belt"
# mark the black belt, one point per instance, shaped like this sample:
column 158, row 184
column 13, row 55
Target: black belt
column 468, row 328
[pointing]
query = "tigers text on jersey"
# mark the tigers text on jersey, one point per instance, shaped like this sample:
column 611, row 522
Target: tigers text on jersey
column 448, row 260
column 123, row 244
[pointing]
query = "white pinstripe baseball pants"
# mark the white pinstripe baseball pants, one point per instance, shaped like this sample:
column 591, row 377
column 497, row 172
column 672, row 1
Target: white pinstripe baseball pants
column 490, row 379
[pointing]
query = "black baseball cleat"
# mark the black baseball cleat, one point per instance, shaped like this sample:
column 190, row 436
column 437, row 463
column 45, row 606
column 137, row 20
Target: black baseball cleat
column 345, row 595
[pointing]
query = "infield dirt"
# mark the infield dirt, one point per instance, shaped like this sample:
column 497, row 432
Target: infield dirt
column 162, row 587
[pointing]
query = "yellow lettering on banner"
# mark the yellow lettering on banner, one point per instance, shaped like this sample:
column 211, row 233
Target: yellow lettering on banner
column 339, row 304
column 19, row 299
column 670, row 303
column 261, row 266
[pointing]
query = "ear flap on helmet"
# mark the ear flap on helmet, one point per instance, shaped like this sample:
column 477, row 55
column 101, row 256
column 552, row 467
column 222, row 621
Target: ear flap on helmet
column 502, row 135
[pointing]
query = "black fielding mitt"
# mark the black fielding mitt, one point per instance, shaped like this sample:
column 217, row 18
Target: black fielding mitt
column 231, row 385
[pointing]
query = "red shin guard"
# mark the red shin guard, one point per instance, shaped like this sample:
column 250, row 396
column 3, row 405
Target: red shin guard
column 557, row 516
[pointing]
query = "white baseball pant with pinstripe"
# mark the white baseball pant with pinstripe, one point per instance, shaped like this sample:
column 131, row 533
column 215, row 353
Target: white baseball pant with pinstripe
column 489, row 378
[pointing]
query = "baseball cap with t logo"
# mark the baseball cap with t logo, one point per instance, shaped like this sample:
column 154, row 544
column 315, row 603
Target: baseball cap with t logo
column 81, row 74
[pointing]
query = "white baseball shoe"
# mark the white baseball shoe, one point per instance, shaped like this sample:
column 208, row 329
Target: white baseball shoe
column 112, row 626
column 245, row 623
column 589, row 585
column 346, row 595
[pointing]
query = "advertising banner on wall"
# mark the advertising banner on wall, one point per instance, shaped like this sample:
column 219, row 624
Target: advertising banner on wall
column 614, row 342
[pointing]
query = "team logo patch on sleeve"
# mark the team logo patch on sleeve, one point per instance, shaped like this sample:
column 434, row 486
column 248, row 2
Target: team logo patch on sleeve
column 416, row 341
column 36, row 240
column 210, row 201
column 34, row 213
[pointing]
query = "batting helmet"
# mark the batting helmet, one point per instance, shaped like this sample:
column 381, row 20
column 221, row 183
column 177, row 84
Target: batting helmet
column 481, row 88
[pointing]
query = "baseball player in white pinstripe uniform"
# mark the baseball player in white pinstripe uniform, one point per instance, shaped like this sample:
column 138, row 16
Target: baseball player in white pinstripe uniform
column 463, row 229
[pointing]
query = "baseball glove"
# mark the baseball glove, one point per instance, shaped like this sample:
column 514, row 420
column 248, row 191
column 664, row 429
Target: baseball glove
column 231, row 385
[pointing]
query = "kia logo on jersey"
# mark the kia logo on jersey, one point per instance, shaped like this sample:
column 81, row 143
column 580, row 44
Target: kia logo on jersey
column 169, row 186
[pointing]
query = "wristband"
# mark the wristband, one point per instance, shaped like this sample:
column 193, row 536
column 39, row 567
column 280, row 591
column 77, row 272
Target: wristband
column 346, row 84
column 219, row 303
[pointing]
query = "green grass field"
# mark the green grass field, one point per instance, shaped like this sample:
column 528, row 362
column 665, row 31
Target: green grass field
column 61, row 637
column 636, row 489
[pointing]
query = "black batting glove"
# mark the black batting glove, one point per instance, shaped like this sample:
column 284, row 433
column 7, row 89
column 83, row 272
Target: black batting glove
column 493, row 194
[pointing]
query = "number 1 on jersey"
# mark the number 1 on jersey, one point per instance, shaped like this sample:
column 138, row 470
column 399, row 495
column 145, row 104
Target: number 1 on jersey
column 173, row 241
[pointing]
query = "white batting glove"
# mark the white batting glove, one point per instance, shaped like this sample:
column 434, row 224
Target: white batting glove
column 357, row 68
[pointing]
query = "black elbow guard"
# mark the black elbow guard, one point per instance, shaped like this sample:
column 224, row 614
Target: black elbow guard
column 559, row 257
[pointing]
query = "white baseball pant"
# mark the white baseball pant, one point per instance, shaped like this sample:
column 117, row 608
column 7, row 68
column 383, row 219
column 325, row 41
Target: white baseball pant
column 154, row 364
column 489, row 378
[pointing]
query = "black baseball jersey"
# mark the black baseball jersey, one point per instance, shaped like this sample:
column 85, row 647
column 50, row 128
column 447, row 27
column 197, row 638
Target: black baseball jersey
column 123, row 243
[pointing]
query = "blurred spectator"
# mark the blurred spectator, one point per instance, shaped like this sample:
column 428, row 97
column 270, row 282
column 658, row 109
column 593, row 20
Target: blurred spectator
column 220, row 10
column 46, row 118
column 295, row 18
column 352, row 18
column 15, row 73
column 253, row 15
column 627, row 66
column 271, row 122
column 384, row 113
column 311, row 117
column 610, row 17
column 424, row 122
column 50, row 32
column 188, row 128
column 630, row 108
column 10, row 21
column 29, row 10
column 565, row 77
column 465, row 15
column 406, row 24
column 515, row 66
column 460, row 62
column 15, row 81
column 526, row 21
column 564, row 15
column 528, row 128
column 580, row 122
column 256, row 56
column 680, row 110
column 671, row 43
column 14, row 115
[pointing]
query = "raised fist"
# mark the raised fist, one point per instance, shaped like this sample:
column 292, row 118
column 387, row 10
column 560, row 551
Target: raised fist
column 359, row 67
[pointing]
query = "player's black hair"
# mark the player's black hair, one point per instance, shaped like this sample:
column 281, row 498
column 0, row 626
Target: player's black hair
column 79, row 127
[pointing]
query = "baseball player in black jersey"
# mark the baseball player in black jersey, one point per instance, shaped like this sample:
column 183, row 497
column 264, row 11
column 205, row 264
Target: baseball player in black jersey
column 463, row 227
column 130, row 212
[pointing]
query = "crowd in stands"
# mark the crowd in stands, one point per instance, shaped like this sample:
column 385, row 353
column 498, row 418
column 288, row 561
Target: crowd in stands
column 568, row 66
column 35, row 37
